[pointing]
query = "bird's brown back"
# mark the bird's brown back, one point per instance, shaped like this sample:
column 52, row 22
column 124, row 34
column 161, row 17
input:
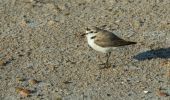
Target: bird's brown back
column 108, row 39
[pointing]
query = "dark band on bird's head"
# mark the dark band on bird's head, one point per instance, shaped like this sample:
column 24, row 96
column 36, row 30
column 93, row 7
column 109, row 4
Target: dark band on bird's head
column 93, row 37
column 88, row 29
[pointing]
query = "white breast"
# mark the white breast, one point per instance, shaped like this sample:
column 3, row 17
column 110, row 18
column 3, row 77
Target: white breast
column 95, row 46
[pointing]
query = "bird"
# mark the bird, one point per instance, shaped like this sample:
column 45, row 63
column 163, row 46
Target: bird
column 104, row 41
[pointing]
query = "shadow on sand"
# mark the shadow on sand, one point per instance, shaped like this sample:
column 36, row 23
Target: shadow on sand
column 163, row 53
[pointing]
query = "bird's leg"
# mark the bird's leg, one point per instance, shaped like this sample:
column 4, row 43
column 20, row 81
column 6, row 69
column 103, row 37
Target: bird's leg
column 106, row 64
column 107, row 60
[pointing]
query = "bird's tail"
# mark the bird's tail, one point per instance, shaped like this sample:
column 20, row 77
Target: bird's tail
column 123, row 43
column 129, row 43
column 132, row 42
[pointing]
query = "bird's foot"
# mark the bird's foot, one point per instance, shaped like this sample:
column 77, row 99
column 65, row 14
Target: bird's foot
column 104, row 65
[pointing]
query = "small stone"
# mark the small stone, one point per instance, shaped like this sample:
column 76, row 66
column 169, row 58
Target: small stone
column 32, row 81
column 23, row 92
column 51, row 22
column 165, row 63
column 117, row 21
column 67, row 14
column 67, row 82
column 136, row 24
column 108, row 94
column 18, row 89
column 2, row 63
column 58, row 98
column 23, row 23
column 146, row 92
column 19, row 79
column 162, row 94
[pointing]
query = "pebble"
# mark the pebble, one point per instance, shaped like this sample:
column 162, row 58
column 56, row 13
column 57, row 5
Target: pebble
column 19, row 79
column 23, row 92
column 162, row 94
column 32, row 81
column 2, row 63
column 146, row 92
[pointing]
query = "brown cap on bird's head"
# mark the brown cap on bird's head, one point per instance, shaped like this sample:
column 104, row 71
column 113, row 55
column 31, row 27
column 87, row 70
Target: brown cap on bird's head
column 91, row 29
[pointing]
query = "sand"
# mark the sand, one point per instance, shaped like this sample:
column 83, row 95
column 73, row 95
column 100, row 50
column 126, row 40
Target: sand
column 41, row 40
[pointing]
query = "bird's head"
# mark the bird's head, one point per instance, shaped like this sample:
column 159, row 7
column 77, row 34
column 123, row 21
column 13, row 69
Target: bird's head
column 91, row 31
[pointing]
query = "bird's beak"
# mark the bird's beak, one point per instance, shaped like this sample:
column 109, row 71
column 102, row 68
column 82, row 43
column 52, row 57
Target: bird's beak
column 84, row 34
column 87, row 31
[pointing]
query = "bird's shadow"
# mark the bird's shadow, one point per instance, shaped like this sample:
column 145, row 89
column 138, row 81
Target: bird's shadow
column 163, row 53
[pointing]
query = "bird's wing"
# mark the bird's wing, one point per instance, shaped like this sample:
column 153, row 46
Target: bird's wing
column 108, row 39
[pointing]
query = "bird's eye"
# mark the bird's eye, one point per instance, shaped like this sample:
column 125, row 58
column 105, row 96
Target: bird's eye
column 87, row 29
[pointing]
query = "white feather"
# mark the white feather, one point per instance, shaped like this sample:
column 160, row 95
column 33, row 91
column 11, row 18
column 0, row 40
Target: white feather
column 95, row 46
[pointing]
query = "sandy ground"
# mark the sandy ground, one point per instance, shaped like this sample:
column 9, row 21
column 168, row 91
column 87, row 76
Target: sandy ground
column 41, row 39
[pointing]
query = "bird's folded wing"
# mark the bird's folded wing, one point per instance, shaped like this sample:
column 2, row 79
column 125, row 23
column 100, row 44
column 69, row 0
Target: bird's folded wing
column 108, row 39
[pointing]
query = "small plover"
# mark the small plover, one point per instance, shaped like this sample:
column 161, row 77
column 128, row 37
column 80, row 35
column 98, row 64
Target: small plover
column 104, row 41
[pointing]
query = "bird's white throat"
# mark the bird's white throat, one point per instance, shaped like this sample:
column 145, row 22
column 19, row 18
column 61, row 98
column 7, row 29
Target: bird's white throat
column 95, row 46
